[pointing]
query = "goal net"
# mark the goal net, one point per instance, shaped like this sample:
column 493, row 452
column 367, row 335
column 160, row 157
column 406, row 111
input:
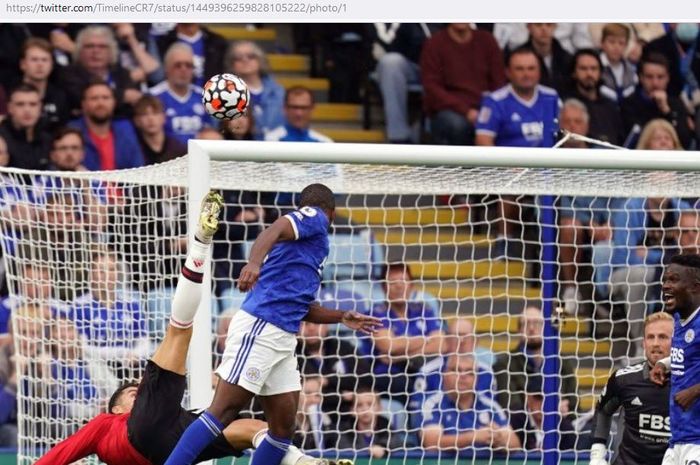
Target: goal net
column 500, row 287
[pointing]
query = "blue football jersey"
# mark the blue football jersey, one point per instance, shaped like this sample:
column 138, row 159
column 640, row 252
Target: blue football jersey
column 420, row 320
column 184, row 116
column 439, row 409
column 685, row 372
column 514, row 122
column 291, row 274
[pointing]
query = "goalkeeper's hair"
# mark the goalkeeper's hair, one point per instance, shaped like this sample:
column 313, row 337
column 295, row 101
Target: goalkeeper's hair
column 658, row 316
column 317, row 195
column 114, row 399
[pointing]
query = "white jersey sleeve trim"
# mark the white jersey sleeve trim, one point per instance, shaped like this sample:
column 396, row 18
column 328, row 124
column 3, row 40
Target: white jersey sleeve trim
column 294, row 226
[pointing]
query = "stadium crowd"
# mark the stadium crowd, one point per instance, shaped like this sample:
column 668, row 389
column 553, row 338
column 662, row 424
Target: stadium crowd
column 104, row 97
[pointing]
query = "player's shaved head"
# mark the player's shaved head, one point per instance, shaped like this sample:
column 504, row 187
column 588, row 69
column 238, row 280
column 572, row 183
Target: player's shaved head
column 317, row 195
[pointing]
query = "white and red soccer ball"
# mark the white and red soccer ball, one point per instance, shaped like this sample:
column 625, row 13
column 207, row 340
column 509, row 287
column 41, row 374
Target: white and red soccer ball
column 226, row 96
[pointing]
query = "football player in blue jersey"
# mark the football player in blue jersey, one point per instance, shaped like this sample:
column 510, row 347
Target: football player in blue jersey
column 681, row 297
column 283, row 276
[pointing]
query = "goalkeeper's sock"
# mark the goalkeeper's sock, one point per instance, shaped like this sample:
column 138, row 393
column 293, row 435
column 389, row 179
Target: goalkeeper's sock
column 271, row 451
column 196, row 437
column 188, row 292
column 292, row 456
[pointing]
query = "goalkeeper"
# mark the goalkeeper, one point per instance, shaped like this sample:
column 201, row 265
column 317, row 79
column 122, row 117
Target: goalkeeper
column 146, row 420
column 647, row 428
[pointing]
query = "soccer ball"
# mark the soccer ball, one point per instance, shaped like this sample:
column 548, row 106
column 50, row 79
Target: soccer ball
column 226, row 96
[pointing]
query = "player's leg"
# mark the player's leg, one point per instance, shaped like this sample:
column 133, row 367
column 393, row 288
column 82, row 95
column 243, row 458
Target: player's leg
column 280, row 412
column 171, row 355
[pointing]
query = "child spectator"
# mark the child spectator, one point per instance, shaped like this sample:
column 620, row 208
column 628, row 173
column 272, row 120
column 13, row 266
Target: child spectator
column 619, row 76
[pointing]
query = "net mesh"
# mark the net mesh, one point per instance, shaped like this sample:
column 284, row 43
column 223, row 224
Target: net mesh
column 92, row 260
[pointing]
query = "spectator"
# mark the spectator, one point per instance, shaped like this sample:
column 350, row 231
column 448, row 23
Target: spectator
column 73, row 394
column 35, row 288
column 208, row 49
column 651, row 100
column 457, row 417
column 460, row 339
column 582, row 219
column 689, row 232
column 313, row 425
column 150, row 120
column 62, row 38
column 521, row 114
column 659, row 134
column 8, row 395
column 554, row 60
column 3, row 102
column 184, row 111
column 367, row 430
column 605, row 121
column 247, row 60
column 640, row 35
column 335, row 360
column 513, row 368
column 109, row 143
column 208, row 133
column 412, row 331
column 36, row 63
column 619, row 75
column 110, row 318
column 298, row 110
column 4, row 153
column 242, row 128
column 458, row 65
column 680, row 46
column 528, row 424
column 95, row 58
column 138, row 52
column 397, row 49
column 67, row 151
column 27, row 143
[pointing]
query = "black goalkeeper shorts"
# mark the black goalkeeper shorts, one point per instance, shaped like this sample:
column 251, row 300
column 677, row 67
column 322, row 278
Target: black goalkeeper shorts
column 158, row 420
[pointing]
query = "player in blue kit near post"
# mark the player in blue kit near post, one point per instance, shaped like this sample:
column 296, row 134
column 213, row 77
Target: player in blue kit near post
column 283, row 276
column 681, row 297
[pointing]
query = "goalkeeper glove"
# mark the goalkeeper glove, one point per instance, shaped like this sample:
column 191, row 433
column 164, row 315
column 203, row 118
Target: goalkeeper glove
column 598, row 452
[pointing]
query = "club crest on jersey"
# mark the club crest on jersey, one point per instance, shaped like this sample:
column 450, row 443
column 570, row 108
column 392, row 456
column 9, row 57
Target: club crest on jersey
column 252, row 374
column 689, row 336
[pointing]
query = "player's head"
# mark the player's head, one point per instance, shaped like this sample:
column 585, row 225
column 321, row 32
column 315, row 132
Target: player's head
column 658, row 332
column 122, row 401
column 680, row 284
column 318, row 195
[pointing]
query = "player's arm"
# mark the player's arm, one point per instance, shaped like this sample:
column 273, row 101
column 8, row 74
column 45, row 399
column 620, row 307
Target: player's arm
column 76, row 446
column 352, row 319
column 281, row 230
column 608, row 404
column 687, row 397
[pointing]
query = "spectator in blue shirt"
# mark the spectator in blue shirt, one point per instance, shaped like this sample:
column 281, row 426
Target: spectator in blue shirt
column 458, row 417
column 185, row 114
column 247, row 60
column 298, row 109
column 412, row 332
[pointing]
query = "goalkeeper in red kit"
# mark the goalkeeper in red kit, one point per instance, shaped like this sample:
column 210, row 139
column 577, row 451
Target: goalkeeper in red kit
column 145, row 421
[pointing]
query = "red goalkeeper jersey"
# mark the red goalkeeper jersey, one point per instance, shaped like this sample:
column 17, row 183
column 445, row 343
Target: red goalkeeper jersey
column 105, row 435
